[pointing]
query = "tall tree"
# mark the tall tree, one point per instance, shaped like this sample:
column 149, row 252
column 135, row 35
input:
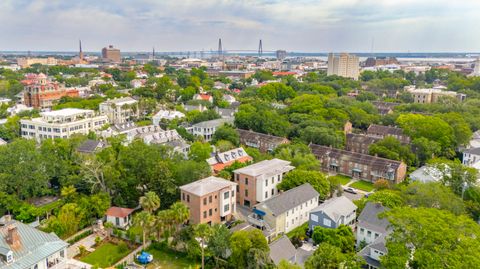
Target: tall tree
column 203, row 231
column 327, row 256
column 150, row 202
column 144, row 220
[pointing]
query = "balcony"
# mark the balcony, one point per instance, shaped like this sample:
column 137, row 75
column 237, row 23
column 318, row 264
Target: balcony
column 256, row 220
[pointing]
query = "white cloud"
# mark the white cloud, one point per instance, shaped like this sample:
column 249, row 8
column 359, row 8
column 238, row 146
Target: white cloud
column 301, row 25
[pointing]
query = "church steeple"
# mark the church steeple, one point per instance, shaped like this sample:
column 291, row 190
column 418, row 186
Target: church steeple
column 80, row 54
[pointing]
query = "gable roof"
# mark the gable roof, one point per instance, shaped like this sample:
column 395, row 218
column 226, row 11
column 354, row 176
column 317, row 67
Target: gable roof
column 336, row 207
column 266, row 138
column 89, row 146
column 119, row 212
column 207, row 185
column 369, row 218
column 290, row 199
column 282, row 249
column 474, row 151
column 35, row 245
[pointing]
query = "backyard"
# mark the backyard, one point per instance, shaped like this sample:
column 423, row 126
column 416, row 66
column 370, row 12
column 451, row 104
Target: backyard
column 107, row 254
column 163, row 257
column 343, row 180
column 362, row 185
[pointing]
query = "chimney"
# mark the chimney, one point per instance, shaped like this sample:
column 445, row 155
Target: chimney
column 13, row 238
column 7, row 218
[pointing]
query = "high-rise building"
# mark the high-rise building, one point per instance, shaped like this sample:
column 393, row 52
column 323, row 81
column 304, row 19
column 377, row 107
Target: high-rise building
column 476, row 70
column 344, row 65
column 111, row 54
column 281, row 54
column 41, row 92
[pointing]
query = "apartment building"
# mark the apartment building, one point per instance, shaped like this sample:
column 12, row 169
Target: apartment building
column 344, row 65
column 285, row 211
column 210, row 200
column 358, row 165
column 359, row 142
column 262, row 142
column 120, row 110
column 258, row 182
column 62, row 124
column 27, row 62
column 382, row 131
column 22, row 246
column 111, row 54
column 40, row 92
column 221, row 160
column 433, row 95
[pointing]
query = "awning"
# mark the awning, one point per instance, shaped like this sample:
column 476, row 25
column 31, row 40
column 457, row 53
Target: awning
column 357, row 170
column 259, row 212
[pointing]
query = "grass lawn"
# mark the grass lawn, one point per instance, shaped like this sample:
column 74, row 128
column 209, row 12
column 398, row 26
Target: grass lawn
column 164, row 257
column 343, row 180
column 106, row 255
column 362, row 185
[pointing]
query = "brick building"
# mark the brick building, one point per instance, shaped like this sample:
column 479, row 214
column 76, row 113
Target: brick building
column 359, row 142
column 210, row 200
column 357, row 165
column 41, row 93
column 382, row 131
column 258, row 182
column 262, row 142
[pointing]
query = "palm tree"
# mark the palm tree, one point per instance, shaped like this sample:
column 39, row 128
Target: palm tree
column 203, row 231
column 181, row 213
column 161, row 223
column 150, row 202
column 143, row 220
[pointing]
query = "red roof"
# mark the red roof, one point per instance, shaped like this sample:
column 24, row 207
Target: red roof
column 284, row 73
column 220, row 166
column 205, row 97
column 119, row 212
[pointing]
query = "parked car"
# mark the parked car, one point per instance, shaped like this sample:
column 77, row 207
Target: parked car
column 350, row 190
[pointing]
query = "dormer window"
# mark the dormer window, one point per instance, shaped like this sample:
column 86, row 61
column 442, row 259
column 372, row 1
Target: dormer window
column 10, row 258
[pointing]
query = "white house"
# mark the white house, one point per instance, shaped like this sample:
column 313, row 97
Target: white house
column 120, row 110
column 206, row 129
column 370, row 226
column 167, row 115
column 23, row 246
column 62, row 123
column 120, row 217
column 286, row 211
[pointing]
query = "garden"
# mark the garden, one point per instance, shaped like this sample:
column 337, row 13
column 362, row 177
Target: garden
column 363, row 185
column 165, row 257
column 106, row 252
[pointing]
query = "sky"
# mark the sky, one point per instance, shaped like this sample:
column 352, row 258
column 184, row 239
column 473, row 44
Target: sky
column 293, row 25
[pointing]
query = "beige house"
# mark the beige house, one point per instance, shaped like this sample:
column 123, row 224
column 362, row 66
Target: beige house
column 210, row 200
column 258, row 182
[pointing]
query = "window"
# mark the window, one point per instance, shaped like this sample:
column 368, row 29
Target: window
column 369, row 233
column 204, row 214
column 266, row 194
column 237, row 176
column 210, row 212
column 376, row 235
column 226, row 208
column 183, row 196
column 210, row 199
column 117, row 221
column 278, row 178
column 205, row 201
column 327, row 222
column 246, row 181
column 273, row 179
column 266, row 183
column 238, row 188
column 62, row 253
column 246, row 193
column 226, row 195
column 362, row 230
column 314, row 217
column 293, row 221
column 273, row 192
column 188, row 198
column 233, row 194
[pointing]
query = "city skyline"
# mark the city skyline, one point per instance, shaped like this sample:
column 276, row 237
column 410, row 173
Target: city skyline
column 306, row 25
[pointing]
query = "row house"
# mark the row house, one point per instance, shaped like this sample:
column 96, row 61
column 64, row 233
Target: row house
column 258, row 182
column 359, row 142
column 210, row 200
column 382, row 131
column 285, row 211
column 358, row 165
column 262, row 142
column 221, row 160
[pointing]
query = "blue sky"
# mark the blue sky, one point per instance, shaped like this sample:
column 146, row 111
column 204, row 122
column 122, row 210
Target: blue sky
column 294, row 25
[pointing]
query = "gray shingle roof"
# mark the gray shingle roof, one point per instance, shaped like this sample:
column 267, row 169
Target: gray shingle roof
column 336, row 207
column 474, row 151
column 282, row 249
column 289, row 199
column 369, row 218
column 89, row 146
column 35, row 246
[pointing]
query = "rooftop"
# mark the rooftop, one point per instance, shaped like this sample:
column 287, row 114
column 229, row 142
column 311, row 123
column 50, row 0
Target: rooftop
column 34, row 247
column 213, row 123
column 266, row 167
column 207, row 185
column 282, row 249
column 287, row 200
column 121, row 101
column 119, row 212
column 66, row 112
column 369, row 218
column 336, row 207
